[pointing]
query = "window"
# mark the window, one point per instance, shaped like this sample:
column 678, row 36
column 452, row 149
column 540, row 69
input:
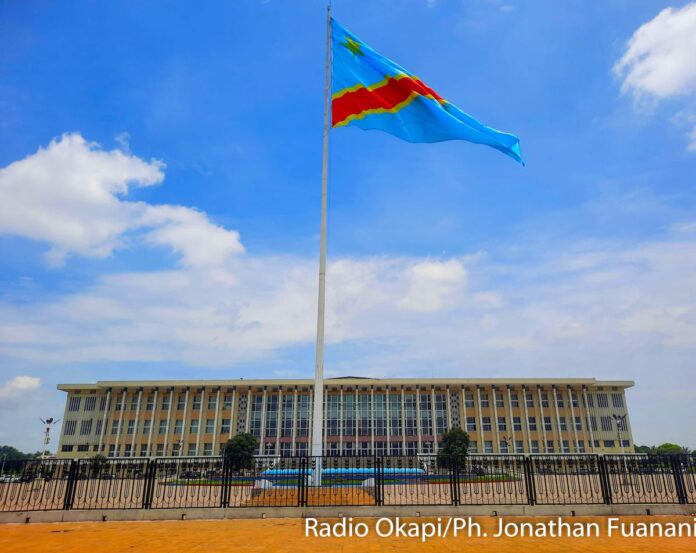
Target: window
column 559, row 401
column 469, row 400
column 549, row 446
column 207, row 449
column 143, row 450
column 590, row 401
column 191, row 449
column 532, row 424
column 581, row 446
column 165, row 402
column 517, row 424
column 74, row 404
column 134, row 403
column 484, row 400
column 547, row 424
column 127, row 452
column 83, row 447
column 471, row 424
column 578, row 423
column 160, row 450
column 163, row 426
column 86, row 427
column 617, row 401
column 529, row 400
column 602, row 401
column 519, row 446
column 209, row 426
column 90, row 403
column 196, row 404
column 566, row 446
column 502, row 425
column 486, row 424
column 181, row 402
column 66, row 448
column 488, row 446
column 69, row 429
column 225, row 426
column 193, row 428
column 499, row 400
column 473, row 446
column 178, row 426
column 150, row 402
column 102, row 403
column 98, row 428
column 227, row 401
column 112, row 450
column 574, row 399
column 535, row 446
column 544, row 400
column 514, row 400
column 503, row 446
column 147, row 426
column 131, row 427
column 118, row 404
column 114, row 427
column 606, row 423
column 562, row 423
column 212, row 402
column 593, row 424
column 608, row 443
column 625, row 443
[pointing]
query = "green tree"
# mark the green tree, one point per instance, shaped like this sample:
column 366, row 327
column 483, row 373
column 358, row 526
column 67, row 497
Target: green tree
column 669, row 449
column 455, row 444
column 239, row 451
column 97, row 464
column 11, row 453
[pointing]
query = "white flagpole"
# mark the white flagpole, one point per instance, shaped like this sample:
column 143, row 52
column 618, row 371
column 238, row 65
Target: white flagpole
column 318, row 407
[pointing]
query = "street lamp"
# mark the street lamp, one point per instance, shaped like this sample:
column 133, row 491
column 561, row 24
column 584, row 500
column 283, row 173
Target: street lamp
column 48, row 423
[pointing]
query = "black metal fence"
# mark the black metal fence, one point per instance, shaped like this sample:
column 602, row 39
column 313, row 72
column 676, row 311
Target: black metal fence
column 195, row 482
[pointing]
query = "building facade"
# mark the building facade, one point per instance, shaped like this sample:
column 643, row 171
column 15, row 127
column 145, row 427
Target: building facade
column 362, row 416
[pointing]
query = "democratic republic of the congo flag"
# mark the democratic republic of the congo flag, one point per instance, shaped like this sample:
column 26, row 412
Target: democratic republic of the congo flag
column 372, row 92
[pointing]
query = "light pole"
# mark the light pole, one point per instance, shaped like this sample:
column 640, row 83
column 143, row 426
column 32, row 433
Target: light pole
column 48, row 423
column 2, row 471
column 620, row 420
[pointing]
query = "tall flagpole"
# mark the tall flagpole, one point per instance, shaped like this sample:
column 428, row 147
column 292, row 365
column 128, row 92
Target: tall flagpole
column 318, row 407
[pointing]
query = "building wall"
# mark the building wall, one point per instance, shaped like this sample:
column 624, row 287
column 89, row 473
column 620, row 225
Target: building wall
column 362, row 416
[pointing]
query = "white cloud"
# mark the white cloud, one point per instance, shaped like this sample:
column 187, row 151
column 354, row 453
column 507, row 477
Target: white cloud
column 19, row 385
column 659, row 60
column 69, row 195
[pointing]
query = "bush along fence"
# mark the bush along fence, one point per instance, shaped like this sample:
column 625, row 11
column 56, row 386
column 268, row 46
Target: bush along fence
column 191, row 482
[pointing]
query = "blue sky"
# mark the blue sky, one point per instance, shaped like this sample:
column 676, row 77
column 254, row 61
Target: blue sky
column 161, row 178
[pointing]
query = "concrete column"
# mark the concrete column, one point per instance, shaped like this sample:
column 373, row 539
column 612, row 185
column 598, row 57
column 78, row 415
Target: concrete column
column 543, row 426
column 588, row 417
column 511, row 419
column 448, row 401
column 218, row 411
column 340, row 420
column 572, row 417
column 184, row 428
column 262, row 444
column 403, row 422
column 558, row 419
column 480, row 417
column 463, row 410
column 419, row 430
column 279, row 420
column 496, row 445
column 386, row 394
column 120, row 424
column 200, row 421
column 248, row 412
column 433, row 418
column 136, row 425
column 357, row 418
column 169, row 420
column 152, row 422
column 372, row 417
column 234, row 398
column 105, row 420
column 525, row 425
column 294, row 420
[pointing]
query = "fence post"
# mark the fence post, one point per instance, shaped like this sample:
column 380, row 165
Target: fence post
column 604, row 480
column 379, row 480
column 70, row 487
column 302, row 484
column 453, row 478
column 225, row 482
column 529, row 479
column 150, row 472
column 679, row 483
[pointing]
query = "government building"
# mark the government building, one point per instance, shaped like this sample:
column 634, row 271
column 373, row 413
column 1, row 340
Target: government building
column 362, row 416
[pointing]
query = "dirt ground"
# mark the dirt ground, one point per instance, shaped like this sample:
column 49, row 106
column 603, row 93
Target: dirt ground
column 288, row 535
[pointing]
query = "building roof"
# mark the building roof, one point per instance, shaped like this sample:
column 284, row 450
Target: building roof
column 348, row 380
